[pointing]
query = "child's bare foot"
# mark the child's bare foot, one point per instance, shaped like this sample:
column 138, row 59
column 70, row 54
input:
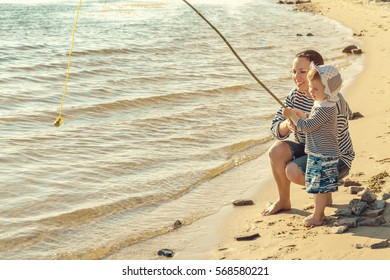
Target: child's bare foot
column 311, row 221
column 276, row 207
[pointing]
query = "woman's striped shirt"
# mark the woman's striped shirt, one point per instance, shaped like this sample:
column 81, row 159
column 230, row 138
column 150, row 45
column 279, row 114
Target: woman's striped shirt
column 301, row 101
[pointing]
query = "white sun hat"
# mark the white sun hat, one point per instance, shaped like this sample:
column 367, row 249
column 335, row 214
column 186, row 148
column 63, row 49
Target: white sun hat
column 331, row 79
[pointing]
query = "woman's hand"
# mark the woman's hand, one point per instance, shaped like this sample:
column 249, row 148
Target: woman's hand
column 290, row 114
column 286, row 127
column 291, row 126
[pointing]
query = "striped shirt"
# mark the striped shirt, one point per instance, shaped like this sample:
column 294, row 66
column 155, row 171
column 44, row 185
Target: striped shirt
column 321, row 130
column 304, row 103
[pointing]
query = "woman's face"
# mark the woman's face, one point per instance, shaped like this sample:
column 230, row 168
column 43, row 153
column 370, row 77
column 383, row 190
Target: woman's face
column 300, row 67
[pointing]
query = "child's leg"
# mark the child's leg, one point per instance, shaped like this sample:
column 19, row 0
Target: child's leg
column 329, row 199
column 318, row 217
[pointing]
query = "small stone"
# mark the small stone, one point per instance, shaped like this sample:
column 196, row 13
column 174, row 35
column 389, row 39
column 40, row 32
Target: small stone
column 357, row 51
column 352, row 202
column 385, row 196
column 343, row 212
column 349, row 182
column 349, row 49
column 373, row 213
column 356, row 115
column 379, row 204
column 177, row 224
column 359, row 246
column 372, row 222
column 355, row 189
column 340, row 229
column 383, row 244
column 243, row 202
column 358, row 207
column 350, row 222
column 247, row 237
column 368, row 196
column 166, row 253
column 309, row 34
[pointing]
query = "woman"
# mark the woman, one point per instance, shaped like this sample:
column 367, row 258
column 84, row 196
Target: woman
column 287, row 158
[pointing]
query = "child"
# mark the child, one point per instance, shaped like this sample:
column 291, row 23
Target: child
column 321, row 137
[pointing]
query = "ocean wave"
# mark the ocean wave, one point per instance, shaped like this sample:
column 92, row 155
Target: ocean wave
column 108, row 51
column 153, row 101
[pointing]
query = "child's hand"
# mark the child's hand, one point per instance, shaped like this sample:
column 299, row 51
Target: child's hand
column 288, row 112
column 301, row 114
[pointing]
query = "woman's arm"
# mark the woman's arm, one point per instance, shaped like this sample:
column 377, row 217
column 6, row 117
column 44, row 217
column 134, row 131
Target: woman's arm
column 281, row 127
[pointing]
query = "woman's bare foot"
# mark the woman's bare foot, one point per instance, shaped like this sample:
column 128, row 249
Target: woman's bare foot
column 311, row 221
column 276, row 207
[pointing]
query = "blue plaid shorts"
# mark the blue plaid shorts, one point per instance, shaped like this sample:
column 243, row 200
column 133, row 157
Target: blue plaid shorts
column 321, row 174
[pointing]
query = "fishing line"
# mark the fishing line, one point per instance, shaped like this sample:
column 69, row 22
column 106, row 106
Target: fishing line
column 59, row 120
column 235, row 53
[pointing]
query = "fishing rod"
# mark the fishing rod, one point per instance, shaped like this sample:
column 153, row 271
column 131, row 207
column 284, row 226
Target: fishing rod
column 235, row 53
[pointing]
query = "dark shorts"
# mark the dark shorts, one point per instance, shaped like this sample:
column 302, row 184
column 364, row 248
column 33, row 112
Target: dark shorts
column 299, row 157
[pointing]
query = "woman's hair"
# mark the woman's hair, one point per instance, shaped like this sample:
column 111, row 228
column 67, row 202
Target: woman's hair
column 312, row 56
column 313, row 75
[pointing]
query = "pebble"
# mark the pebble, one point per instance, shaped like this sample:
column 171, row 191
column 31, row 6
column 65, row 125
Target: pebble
column 247, row 237
column 355, row 189
column 166, row 253
column 372, row 222
column 359, row 246
column 350, row 222
column 243, row 202
column 358, row 207
column 177, row 224
column 379, row 204
column 368, row 196
column 339, row 229
column 383, row 244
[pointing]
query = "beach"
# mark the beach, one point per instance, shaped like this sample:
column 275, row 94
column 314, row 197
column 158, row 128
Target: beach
column 282, row 236
column 163, row 128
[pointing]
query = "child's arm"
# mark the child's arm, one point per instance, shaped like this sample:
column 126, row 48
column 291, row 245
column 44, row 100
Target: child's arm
column 318, row 117
column 291, row 114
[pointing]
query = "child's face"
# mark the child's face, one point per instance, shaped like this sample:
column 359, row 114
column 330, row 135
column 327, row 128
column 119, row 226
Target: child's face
column 317, row 90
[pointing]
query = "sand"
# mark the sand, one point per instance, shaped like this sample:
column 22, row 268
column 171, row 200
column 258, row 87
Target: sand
column 282, row 236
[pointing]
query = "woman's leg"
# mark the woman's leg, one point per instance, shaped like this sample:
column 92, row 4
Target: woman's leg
column 279, row 155
column 295, row 171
